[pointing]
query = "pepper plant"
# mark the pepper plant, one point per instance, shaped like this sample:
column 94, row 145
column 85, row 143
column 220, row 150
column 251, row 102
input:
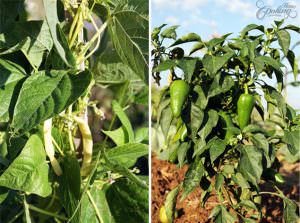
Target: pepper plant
column 53, row 166
column 221, row 115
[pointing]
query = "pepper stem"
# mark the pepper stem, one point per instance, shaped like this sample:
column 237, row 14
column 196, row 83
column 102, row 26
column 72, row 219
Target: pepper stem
column 246, row 88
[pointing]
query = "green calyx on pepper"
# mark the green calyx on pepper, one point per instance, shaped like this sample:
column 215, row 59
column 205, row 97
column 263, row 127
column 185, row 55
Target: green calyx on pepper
column 179, row 91
column 245, row 106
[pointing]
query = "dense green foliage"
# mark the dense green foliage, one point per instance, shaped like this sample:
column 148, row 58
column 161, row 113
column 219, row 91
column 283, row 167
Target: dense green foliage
column 233, row 140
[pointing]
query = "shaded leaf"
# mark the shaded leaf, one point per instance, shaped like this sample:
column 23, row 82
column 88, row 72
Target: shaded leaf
column 29, row 173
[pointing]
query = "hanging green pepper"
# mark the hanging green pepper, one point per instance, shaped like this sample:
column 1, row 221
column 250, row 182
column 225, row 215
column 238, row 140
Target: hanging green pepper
column 179, row 91
column 244, row 108
column 228, row 123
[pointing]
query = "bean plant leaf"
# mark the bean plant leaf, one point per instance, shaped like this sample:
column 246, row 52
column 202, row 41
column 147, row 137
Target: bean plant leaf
column 129, row 33
column 70, row 186
column 250, row 164
column 10, row 10
column 46, row 94
column 10, row 77
column 127, row 201
column 192, row 177
column 32, row 37
column 110, row 69
column 88, row 212
column 127, row 154
column 52, row 19
column 284, row 39
column 28, row 172
column 118, row 136
column 124, row 120
column 115, row 166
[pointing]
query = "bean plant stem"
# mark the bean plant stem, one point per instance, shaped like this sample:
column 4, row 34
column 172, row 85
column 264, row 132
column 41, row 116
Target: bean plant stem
column 36, row 209
column 95, row 206
column 16, row 217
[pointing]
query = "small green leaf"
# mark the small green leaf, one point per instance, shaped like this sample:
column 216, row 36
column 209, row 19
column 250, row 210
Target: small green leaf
column 52, row 19
column 192, row 177
column 290, row 211
column 216, row 149
column 170, row 32
column 188, row 67
column 284, row 39
column 260, row 141
column 251, row 27
column 292, row 27
column 250, row 164
column 124, row 120
column 293, row 140
column 170, row 203
column 221, row 215
column 155, row 32
column 29, row 171
column 11, row 74
column 127, row 154
column 196, row 47
column 240, row 180
column 165, row 65
column 293, row 62
column 115, row 166
column 118, row 136
column 219, row 181
column 220, row 84
column 214, row 63
column 190, row 37
column 197, row 116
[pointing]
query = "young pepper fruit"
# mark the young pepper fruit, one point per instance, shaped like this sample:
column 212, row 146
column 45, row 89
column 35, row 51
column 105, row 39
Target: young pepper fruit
column 245, row 105
column 179, row 91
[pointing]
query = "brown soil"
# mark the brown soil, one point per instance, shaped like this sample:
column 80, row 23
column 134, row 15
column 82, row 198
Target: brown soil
column 166, row 176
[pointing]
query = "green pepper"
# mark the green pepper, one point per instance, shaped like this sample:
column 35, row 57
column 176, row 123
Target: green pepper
column 245, row 105
column 228, row 122
column 179, row 91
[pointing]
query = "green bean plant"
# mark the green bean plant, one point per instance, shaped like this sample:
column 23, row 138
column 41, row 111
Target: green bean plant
column 67, row 155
